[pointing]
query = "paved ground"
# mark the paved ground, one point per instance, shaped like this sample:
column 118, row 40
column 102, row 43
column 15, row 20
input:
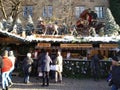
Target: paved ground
column 67, row 84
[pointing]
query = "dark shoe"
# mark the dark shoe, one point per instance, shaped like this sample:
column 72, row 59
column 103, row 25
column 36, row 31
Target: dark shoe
column 27, row 82
column 6, row 88
column 47, row 85
column 110, row 83
column 56, row 81
column 60, row 81
column 43, row 85
column 10, row 84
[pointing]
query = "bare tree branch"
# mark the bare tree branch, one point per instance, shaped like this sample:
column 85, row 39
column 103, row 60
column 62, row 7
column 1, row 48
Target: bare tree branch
column 3, row 9
column 12, row 9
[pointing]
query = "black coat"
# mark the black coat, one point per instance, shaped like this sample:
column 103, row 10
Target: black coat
column 116, row 75
column 95, row 63
column 27, row 65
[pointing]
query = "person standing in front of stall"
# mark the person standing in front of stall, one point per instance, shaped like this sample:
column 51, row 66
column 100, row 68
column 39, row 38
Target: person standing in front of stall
column 27, row 67
column 116, row 72
column 40, row 58
column 95, row 66
column 7, row 65
column 45, row 65
column 59, row 62
column 12, row 58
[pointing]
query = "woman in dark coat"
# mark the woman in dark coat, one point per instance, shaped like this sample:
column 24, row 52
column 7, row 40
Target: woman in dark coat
column 27, row 67
column 116, row 72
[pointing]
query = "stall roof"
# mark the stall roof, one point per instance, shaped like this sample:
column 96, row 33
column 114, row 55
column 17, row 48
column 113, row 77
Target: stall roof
column 60, row 38
column 5, row 34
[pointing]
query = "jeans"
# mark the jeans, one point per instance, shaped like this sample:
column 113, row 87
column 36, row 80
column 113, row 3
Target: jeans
column 8, row 77
column 4, row 80
column 26, row 77
column 114, row 87
column 10, row 74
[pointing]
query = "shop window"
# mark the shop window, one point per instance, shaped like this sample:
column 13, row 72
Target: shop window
column 79, row 10
column 100, row 11
column 27, row 10
column 47, row 11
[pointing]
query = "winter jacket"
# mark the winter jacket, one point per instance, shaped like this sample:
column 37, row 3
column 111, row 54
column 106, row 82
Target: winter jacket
column 7, row 64
column 27, row 65
column 59, row 62
column 12, row 58
column 46, row 63
column 116, row 75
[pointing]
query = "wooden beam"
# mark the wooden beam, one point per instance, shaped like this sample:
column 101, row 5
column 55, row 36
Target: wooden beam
column 9, row 40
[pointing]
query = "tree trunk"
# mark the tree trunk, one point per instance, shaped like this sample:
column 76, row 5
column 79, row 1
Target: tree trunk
column 15, row 13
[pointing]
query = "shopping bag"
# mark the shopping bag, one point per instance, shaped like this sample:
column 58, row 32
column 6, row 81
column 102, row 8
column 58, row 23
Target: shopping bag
column 54, row 67
column 40, row 74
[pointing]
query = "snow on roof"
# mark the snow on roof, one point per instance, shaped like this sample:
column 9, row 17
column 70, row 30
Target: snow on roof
column 66, row 38
column 6, row 33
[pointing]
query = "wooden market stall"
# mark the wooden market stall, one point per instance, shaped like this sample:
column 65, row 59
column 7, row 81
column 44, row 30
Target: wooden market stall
column 80, row 50
column 80, row 53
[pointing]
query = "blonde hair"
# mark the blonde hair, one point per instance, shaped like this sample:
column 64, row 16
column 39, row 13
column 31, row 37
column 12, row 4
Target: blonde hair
column 5, row 53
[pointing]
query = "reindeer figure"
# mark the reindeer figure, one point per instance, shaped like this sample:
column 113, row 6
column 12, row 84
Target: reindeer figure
column 55, row 29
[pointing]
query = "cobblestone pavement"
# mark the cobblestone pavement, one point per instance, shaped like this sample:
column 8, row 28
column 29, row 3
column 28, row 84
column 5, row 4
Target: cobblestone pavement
column 67, row 84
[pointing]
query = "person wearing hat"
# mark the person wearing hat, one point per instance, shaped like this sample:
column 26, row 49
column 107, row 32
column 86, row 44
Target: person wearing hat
column 116, row 71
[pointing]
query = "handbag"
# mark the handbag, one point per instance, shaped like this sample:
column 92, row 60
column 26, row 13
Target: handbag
column 54, row 67
column 40, row 74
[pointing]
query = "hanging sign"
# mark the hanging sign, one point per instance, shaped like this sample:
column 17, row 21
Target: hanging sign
column 43, row 45
column 76, row 45
column 108, row 45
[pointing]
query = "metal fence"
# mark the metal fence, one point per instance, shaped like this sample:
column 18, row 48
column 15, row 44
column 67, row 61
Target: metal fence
column 81, row 68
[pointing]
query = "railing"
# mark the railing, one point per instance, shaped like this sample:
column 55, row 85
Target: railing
column 77, row 68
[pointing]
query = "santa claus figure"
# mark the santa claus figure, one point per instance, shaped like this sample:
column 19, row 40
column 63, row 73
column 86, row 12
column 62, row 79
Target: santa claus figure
column 85, row 15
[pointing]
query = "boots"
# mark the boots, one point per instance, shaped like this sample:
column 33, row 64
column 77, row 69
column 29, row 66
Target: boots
column 43, row 82
column 47, row 81
column 5, row 89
